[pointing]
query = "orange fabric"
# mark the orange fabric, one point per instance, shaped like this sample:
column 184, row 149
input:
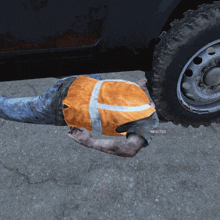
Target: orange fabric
column 111, row 93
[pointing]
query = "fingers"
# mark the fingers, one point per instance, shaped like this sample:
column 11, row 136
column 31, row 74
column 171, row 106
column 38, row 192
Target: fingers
column 74, row 130
column 152, row 104
column 141, row 81
column 69, row 132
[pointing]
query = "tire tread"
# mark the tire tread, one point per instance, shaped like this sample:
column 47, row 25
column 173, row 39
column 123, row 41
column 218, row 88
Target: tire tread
column 193, row 20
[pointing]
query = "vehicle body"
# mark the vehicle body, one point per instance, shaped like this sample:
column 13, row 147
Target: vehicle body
column 111, row 35
column 82, row 37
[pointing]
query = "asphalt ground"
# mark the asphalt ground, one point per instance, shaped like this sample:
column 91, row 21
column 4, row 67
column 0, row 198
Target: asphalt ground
column 45, row 175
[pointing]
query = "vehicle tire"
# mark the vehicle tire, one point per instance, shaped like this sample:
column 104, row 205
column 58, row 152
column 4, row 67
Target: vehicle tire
column 185, row 62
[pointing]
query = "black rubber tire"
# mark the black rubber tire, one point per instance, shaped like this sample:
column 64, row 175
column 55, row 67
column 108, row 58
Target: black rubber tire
column 186, row 36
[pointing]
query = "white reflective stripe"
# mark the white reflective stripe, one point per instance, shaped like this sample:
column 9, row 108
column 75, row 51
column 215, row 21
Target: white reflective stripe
column 94, row 105
column 93, row 111
column 123, row 108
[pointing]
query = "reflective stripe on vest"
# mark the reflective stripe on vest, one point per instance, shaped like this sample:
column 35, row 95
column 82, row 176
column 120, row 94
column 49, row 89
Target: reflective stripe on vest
column 104, row 105
column 94, row 105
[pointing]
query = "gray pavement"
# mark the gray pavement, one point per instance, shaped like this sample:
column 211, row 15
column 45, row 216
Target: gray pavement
column 45, row 175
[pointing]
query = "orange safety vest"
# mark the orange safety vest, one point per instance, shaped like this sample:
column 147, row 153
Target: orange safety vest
column 103, row 105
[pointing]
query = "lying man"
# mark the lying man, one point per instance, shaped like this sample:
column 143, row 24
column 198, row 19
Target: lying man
column 109, row 107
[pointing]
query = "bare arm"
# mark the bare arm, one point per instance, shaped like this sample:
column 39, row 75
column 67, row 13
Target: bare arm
column 117, row 147
column 112, row 146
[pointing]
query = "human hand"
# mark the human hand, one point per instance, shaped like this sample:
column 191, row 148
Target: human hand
column 142, row 84
column 79, row 134
column 152, row 104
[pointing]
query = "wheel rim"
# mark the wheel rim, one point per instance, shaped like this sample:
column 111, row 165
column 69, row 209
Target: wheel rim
column 198, row 87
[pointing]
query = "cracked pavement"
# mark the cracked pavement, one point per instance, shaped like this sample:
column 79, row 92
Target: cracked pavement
column 45, row 175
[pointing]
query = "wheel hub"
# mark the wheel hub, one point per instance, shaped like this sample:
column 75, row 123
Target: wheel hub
column 212, row 77
column 198, row 87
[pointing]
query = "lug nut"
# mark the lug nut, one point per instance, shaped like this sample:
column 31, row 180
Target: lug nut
column 186, row 85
